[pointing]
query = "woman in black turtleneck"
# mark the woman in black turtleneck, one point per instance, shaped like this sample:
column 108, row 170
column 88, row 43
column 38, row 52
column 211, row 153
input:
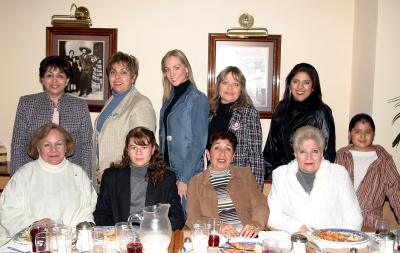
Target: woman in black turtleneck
column 301, row 105
column 183, row 120
column 231, row 108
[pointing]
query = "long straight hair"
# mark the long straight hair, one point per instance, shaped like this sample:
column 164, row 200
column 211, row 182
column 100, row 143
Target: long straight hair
column 167, row 86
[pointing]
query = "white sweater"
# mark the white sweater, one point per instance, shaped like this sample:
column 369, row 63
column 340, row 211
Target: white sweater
column 40, row 190
column 332, row 203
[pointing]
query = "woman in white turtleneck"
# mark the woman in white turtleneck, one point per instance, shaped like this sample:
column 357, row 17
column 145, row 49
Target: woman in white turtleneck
column 48, row 188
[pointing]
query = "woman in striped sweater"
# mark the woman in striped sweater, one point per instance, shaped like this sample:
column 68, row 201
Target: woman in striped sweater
column 371, row 168
column 227, row 192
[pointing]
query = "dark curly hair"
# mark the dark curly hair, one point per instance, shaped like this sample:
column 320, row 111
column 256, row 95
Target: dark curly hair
column 157, row 166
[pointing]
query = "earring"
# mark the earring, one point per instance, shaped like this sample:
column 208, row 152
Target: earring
column 187, row 73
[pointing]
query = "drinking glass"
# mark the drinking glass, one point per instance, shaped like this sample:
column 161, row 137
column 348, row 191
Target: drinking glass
column 200, row 237
column 381, row 225
column 35, row 229
column 99, row 241
column 134, row 244
column 63, row 235
column 214, row 225
column 270, row 246
column 42, row 242
column 120, row 236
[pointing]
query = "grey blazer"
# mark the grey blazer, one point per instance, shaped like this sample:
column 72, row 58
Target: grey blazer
column 35, row 110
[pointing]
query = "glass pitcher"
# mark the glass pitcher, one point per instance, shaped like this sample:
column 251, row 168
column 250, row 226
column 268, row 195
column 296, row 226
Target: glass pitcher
column 154, row 227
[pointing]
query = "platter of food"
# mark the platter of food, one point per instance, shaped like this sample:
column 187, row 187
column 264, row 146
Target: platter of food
column 341, row 236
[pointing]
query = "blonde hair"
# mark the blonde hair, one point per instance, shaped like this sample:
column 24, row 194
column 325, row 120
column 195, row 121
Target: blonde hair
column 167, row 86
column 243, row 100
column 308, row 133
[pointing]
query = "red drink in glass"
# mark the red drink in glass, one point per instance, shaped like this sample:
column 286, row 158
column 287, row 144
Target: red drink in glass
column 134, row 247
column 213, row 240
column 268, row 251
column 35, row 230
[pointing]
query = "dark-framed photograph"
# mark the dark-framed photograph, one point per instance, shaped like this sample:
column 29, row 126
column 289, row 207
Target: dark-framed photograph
column 258, row 58
column 87, row 50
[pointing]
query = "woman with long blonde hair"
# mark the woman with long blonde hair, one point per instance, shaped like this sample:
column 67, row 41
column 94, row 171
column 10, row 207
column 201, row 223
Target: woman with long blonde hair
column 183, row 119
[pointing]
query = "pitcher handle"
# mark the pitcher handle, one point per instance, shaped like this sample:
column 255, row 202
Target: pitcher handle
column 134, row 218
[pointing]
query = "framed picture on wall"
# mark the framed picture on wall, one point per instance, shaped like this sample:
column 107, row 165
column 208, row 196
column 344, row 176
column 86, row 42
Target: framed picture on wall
column 258, row 59
column 87, row 50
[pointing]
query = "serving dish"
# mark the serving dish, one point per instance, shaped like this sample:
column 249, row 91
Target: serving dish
column 340, row 236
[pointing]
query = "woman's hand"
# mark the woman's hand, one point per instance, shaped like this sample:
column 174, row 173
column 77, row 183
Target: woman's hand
column 249, row 230
column 182, row 188
column 228, row 230
column 303, row 229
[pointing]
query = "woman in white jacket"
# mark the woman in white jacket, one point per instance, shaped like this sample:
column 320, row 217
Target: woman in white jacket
column 50, row 188
column 311, row 192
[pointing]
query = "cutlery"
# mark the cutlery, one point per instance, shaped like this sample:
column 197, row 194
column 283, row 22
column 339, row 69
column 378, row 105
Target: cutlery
column 18, row 250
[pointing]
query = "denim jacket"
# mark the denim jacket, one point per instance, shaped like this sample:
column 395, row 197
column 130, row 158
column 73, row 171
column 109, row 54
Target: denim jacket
column 187, row 132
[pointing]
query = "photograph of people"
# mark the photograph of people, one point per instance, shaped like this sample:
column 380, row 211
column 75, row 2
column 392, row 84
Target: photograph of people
column 52, row 105
column 50, row 188
column 226, row 191
column 311, row 192
column 232, row 108
column 372, row 170
column 183, row 119
column 127, row 108
column 140, row 179
column 301, row 105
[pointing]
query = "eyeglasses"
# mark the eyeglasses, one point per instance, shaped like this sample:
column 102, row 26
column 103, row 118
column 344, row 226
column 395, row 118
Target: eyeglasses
column 138, row 148
column 230, row 84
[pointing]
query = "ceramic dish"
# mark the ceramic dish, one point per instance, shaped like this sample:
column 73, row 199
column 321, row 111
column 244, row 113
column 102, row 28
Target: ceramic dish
column 340, row 236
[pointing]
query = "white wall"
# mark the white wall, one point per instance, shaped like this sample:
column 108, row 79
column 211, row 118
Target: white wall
column 386, row 82
column 314, row 31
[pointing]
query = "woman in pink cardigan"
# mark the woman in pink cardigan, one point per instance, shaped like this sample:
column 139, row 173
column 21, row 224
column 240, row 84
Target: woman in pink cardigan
column 371, row 168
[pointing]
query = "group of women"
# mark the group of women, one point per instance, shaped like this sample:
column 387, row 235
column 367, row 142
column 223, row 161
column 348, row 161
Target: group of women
column 122, row 157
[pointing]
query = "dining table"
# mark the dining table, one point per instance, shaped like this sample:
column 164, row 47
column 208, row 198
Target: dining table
column 178, row 236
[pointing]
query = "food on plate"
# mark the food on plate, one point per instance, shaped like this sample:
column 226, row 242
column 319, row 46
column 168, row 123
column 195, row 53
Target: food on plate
column 235, row 247
column 110, row 234
column 336, row 236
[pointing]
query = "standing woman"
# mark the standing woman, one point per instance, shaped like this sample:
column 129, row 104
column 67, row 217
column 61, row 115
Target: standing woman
column 301, row 105
column 231, row 108
column 371, row 169
column 183, row 119
column 127, row 108
column 52, row 105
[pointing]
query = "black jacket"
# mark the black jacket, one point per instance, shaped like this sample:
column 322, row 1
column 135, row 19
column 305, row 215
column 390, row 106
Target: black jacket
column 115, row 194
column 278, row 149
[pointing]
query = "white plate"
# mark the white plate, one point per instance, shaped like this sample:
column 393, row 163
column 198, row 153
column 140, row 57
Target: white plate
column 361, row 237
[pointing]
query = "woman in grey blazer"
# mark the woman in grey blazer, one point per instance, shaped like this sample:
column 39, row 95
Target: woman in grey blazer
column 52, row 105
column 231, row 108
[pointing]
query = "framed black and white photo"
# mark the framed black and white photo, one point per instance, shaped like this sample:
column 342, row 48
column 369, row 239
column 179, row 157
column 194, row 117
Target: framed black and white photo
column 259, row 60
column 87, row 50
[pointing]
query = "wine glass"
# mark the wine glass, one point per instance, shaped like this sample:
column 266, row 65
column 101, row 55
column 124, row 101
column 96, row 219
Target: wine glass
column 381, row 225
column 214, row 225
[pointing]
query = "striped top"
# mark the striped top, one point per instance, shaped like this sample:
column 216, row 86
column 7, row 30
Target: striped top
column 381, row 179
column 226, row 208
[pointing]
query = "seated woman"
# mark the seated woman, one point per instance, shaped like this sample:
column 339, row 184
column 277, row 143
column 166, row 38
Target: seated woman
column 311, row 192
column 140, row 179
column 372, row 170
column 227, row 192
column 48, row 188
